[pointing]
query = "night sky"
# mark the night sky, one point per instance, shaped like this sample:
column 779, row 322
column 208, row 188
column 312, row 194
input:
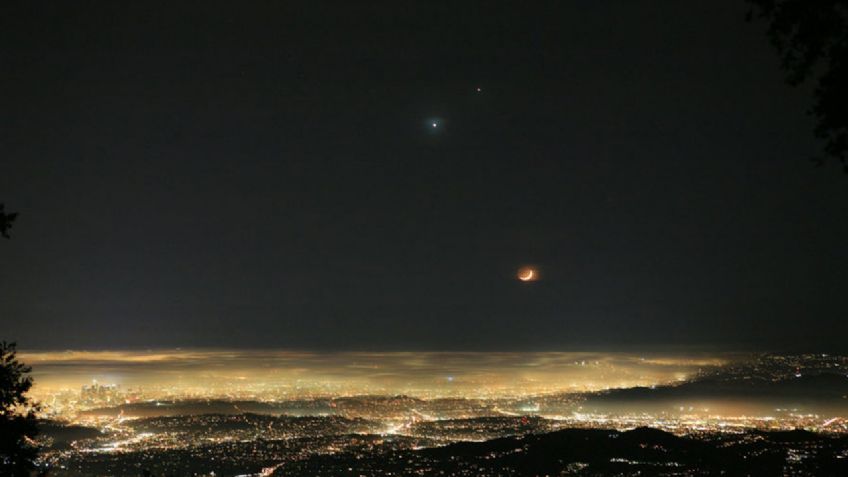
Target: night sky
column 267, row 174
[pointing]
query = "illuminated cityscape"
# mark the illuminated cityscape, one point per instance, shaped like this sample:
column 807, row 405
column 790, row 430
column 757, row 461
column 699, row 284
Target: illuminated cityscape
column 239, row 412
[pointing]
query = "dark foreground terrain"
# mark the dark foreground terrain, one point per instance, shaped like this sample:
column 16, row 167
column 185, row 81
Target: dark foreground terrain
column 588, row 452
column 642, row 451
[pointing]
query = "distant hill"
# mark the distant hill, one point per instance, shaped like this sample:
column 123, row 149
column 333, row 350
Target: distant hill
column 823, row 392
column 214, row 406
column 59, row 436
column 642, row 451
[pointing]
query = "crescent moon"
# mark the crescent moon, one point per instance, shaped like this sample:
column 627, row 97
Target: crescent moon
column 527, row 275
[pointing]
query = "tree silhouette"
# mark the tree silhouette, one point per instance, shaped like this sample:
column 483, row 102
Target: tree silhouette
column 812, row 40
column 17, row 412
column 6, row 221
column 17, row 415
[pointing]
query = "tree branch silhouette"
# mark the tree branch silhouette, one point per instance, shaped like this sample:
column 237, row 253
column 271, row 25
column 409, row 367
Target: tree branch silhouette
column 6, row 221
column 811, row 38
column 18, row 450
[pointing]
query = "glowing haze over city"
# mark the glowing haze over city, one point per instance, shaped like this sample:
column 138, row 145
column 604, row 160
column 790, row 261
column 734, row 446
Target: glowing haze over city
column 217, row 373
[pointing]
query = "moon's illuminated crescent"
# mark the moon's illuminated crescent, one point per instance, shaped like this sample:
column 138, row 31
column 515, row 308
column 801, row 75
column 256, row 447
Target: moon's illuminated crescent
column 526, row 275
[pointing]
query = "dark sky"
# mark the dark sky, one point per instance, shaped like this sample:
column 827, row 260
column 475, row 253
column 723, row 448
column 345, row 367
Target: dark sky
column 266, row 174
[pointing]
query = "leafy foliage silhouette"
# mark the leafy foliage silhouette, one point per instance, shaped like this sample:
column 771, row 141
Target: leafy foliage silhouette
column 6, row 221
column 17, row 415
column 811, row 38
